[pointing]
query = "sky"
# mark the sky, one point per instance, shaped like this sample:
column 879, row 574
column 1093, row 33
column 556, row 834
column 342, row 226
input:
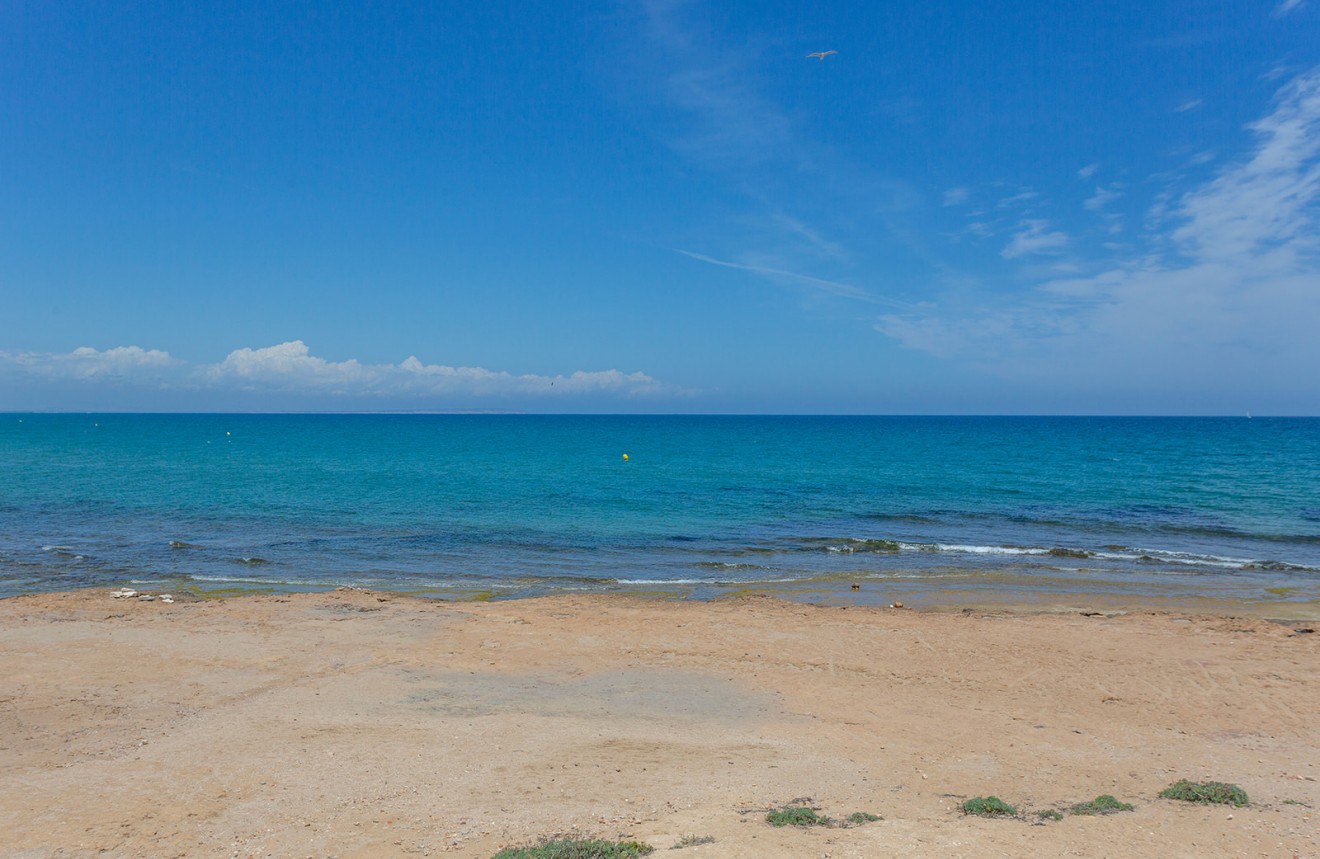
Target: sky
column 661, row 206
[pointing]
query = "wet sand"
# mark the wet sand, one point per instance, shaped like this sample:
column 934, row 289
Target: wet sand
column 353, row 723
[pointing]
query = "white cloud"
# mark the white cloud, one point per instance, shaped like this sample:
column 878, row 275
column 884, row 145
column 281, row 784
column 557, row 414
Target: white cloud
column 1286, row 7
column 955, row 196
column 439, row 377
column 1088, row 171
column 714, row 84
column 1225, row 291
column 828, row 287
column 1190, row 104
column 87, row 363
column 1102, row 197
column 1267, row 200
column 1017, row 199
column 291, row 362
column 1099, row 202
column 290, row 368
column 1035, row 237
column 805, row 236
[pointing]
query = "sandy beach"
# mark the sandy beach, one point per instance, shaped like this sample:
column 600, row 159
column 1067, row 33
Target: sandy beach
column 353, row 723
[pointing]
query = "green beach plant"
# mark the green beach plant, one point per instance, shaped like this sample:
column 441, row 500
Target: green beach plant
column 857, row 818
column 988, row 806
column 1102, row 804
column 1049, row 814
column 559, row 847
column 693, row 841
column 796, row 815
column 1205, row 792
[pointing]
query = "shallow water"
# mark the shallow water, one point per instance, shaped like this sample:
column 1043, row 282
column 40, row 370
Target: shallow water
column 456, row 505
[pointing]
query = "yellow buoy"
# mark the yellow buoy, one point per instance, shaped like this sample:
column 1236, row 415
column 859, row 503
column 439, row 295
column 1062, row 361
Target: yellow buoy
column 625, row 457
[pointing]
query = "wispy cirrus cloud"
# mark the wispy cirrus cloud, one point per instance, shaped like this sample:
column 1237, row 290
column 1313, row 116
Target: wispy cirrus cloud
column 1287, row 7
column 1267, row 201
column 291, row 368
column 729, row 120
column 828, row 287
column 956, row 196
column 1101, row 198
column 1226, row 283
column 1035, row 237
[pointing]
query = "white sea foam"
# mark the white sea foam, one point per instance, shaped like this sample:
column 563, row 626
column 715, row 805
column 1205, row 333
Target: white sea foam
column 990, row 550
column 264, row 581
column 666, row 581
column 708, row 581
column 1185, row 558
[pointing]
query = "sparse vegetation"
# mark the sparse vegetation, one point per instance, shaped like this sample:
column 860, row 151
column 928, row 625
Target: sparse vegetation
column 1102, row 804
column 693, row 841
column 796, row 815
column 857, row 818
column 988, row 806
column 1297, row 802
column 576, row 848
column 1205, row 792
column 1049, row 814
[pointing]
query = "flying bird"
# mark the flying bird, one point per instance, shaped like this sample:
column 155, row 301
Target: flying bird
column 820, row 55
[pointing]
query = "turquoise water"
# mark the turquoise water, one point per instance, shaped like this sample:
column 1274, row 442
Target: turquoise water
column 514, row 505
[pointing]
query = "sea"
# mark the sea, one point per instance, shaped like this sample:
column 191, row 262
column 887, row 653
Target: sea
column 830, row 509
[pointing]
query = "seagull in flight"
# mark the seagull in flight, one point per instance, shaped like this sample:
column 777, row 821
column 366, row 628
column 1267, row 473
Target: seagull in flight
column 820, row 55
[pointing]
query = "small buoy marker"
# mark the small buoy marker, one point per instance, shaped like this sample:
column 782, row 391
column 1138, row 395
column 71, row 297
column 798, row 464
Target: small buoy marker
column 625, row 457
column 226, row 432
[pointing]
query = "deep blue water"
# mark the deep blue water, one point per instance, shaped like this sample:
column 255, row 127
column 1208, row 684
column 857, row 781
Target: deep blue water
column 456, row 504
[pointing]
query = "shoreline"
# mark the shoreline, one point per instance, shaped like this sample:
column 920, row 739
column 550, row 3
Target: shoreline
column 361, row 723
column 872, row 594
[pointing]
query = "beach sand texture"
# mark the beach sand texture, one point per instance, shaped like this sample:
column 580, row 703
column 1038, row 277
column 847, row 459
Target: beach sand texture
column 353, row 723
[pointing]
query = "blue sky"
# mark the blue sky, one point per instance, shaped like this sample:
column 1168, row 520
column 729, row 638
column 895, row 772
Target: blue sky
column 661, row 206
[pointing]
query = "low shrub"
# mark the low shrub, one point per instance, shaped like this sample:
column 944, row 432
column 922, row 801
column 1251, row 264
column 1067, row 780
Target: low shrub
column 796, row 815
column 1205, row 792
column 577, row 848
column 1102, row 804
column 988, row 806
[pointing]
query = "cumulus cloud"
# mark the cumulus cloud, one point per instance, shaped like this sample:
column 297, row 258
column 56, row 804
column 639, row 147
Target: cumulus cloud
column 291, row 368
column 1227, row 285
column 291, row 363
